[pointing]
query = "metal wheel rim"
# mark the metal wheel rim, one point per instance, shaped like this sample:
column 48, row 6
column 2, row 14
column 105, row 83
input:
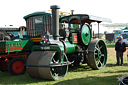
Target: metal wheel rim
column 100, row 54
column 18, row 66
column 97, row 56
column 60, row 71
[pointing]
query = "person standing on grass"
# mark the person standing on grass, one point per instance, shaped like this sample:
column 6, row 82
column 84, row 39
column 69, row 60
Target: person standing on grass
column 120, row 48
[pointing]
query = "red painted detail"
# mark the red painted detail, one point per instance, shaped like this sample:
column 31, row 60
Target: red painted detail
column 20, row 48
column 2, row 50
column 46, row 41
column 75, row 36
column 13, row 55
column 6, row 60
column 18, row 66
column 11, row 47
column 75, row 39
column 42, row 36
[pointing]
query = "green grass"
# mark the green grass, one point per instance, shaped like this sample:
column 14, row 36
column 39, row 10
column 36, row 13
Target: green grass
column 100, row 35
column 75, row 76
column 111, row 45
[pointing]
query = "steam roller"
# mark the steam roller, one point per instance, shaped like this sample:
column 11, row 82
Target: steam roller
column 51, row 59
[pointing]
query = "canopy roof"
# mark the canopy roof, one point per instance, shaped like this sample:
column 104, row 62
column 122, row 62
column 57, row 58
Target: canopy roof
column 83, row 18
column 36, row 14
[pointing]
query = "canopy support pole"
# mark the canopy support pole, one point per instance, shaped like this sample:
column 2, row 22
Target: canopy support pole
column 98, row 29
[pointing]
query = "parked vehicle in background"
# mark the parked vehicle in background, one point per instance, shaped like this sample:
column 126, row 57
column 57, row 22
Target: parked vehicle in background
column 124, row 34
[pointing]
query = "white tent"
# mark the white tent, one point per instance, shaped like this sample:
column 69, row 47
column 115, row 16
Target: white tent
column 102, row 29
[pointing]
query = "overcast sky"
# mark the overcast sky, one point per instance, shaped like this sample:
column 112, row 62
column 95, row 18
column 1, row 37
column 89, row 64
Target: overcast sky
column 13, row 11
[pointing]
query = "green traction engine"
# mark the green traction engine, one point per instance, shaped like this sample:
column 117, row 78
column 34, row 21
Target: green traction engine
column 51, row 59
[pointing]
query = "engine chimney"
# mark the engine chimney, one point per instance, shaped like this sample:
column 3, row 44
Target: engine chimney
column 72, row 12
column 55, row 21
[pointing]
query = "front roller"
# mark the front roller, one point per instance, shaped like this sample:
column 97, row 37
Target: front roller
column 97, row 54
column 47, row 65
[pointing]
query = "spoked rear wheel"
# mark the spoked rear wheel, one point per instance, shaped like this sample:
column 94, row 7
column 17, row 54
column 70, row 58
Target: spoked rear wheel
column 97, row 54
column 47, row 65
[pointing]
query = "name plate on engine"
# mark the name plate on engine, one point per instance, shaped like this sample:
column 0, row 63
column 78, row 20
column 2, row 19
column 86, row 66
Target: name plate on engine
column 45, row 48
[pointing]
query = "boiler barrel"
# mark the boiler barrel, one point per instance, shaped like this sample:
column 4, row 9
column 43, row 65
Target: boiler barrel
column 70, row 48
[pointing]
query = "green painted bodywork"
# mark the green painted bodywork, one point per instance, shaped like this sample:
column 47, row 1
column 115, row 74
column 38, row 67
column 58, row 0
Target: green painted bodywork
column 15, row 46
column 59, row 49
column 70, row 48
column 86, row 34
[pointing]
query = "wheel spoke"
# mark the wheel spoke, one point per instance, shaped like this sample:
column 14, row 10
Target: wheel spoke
column 100, row 63
column 100, row 47
column 96, row 48
column 55, row 73
column 52, row 69
column 97, row 59
column 97, row 45
column 54, row 60
column 102, row 55
column 96, row 53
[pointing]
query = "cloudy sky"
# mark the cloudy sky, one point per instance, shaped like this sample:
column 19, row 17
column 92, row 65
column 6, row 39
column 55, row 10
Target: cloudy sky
column 13, row 11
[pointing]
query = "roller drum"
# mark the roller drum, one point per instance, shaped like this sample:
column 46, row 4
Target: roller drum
column 47, row 65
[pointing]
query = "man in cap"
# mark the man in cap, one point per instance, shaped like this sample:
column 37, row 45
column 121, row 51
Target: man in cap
column 120, row 48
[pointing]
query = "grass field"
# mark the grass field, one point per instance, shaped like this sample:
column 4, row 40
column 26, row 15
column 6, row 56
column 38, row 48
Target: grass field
column 76, row 76
column 111, row 45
